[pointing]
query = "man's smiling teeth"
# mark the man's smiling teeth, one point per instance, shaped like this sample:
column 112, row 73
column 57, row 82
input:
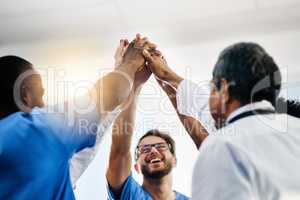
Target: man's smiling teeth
column 155, row 160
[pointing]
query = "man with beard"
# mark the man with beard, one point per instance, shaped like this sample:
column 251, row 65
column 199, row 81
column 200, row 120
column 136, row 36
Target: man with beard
column 155, row 156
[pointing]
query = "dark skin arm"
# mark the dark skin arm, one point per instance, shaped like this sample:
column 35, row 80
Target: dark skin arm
column 195, row 129
column 169, row 82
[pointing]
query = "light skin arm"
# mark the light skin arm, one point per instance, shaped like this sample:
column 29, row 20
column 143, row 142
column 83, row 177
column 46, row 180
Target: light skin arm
column 120, row 159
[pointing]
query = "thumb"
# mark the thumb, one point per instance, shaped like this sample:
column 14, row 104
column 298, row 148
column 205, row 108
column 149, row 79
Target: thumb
column 147, row 55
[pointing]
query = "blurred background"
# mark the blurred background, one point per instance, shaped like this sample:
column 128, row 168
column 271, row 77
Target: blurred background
column 73, row 41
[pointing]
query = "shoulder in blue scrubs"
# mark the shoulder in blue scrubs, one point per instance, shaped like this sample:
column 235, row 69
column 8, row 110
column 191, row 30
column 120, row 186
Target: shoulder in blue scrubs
column 35, row 149
column 133, row 191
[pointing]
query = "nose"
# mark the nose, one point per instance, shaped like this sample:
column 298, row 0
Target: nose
column 153, row 150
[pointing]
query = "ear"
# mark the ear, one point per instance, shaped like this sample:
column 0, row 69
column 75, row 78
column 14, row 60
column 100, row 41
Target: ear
column 224, row 90
column 25, row 96
column 174, row 162
column 137, row 168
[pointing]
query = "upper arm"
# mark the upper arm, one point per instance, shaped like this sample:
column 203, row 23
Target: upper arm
column 119, row 169
column 221, row 173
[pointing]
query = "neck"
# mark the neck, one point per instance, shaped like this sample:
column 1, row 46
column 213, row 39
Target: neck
column 160, row 188
column 231, row 107
column 6, row 111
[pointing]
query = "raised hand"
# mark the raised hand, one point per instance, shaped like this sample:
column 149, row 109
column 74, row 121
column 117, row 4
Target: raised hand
column 133, row 55
column 120, row 52
column 159, row 66
column 157, row 63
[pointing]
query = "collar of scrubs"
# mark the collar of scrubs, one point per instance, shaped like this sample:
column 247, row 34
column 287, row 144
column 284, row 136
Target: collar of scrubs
column 262, row 105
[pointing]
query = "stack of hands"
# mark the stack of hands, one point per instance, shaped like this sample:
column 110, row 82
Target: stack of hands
column 143, row 58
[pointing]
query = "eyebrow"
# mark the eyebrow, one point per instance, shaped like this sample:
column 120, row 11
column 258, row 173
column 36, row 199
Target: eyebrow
column 152, row 144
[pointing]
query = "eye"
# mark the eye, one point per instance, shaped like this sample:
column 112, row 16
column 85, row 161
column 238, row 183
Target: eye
column 160, row 146
column 145, row 149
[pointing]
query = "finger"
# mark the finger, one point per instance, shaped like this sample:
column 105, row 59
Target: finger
column 157, row 53
column 139, row 42
column 131, row 44
column 142, row 43
column 124, row 49
column 138, row 37
column 119, row 48
column 147, row 55
column 123, row 42
column 151, row 46
column 126, row 42
column 145, row 44
column 144, row 39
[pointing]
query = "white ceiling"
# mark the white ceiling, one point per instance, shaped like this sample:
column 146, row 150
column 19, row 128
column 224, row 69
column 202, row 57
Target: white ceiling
column 183, row 21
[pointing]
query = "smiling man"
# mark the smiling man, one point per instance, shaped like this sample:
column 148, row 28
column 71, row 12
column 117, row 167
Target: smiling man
column 155, row 156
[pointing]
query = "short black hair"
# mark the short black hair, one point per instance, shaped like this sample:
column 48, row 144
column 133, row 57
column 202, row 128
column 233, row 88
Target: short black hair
column 11, row 68
column 250, row 71
column 165, row 136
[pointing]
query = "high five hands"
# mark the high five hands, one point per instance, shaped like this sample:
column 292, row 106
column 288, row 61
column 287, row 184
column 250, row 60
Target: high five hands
column 144, row 58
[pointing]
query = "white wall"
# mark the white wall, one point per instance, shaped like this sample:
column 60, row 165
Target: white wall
column 84, row 57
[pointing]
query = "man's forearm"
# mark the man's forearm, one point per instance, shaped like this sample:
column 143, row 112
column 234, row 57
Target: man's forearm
column 124, row 124
column 120, row 159
column 172, row 78
column 195, row 129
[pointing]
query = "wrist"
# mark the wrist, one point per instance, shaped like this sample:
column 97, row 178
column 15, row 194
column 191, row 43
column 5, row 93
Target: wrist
column 172, row 78
column 133, row 64
column 126, row 68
